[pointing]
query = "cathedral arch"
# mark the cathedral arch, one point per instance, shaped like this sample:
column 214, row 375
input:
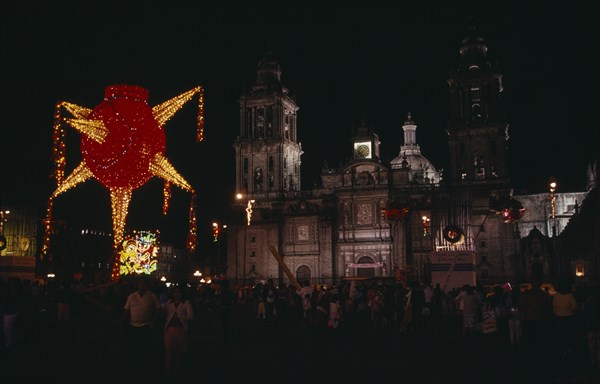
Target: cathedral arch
column 365, row 272
column 303, row 273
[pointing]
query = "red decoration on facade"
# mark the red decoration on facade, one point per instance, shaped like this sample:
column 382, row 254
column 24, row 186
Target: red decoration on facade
column 395, row 214
column 512, row 212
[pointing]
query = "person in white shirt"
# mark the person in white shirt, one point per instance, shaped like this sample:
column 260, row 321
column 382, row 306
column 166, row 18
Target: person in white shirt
column 140, row 313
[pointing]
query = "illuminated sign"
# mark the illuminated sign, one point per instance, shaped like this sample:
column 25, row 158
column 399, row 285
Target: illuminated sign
column 139, row 253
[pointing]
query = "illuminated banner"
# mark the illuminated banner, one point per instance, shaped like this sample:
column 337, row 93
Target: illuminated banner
column 453, row 269
column 139, row 253
column 366, row 265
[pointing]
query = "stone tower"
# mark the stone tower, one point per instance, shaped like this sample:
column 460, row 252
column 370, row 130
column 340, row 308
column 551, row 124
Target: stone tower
column 267, row 150
column 477, row 130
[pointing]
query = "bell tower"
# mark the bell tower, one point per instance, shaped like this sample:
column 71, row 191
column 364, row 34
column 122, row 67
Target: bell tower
column 477, row 130
column 267, row 151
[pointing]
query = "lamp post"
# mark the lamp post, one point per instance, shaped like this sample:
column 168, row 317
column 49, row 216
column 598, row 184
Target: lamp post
column 553, row 186
column 216, row 233
column 249, row 203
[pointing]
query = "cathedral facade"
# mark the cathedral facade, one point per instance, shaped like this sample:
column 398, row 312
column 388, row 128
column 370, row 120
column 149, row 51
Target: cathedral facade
column 403, row 219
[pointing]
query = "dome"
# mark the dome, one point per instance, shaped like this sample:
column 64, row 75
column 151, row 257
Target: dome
column 420, row 169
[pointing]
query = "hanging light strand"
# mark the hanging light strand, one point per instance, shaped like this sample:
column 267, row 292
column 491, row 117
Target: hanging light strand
column 58, row 145
column 47, row 231
column 192, row 233
column 166, row 197
column 200, row 131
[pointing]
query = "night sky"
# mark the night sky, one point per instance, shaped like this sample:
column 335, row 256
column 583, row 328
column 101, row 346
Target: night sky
column 343, row 61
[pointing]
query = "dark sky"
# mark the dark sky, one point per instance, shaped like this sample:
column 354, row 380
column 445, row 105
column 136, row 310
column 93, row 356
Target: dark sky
column 341, row 60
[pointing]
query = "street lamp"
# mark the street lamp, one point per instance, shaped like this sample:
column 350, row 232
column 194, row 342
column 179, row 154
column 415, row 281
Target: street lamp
column 240, row 196
column 553, row 186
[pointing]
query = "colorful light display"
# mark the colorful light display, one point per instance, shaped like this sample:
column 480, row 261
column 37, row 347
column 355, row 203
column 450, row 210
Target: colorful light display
column 139, row 253
column 123, row 146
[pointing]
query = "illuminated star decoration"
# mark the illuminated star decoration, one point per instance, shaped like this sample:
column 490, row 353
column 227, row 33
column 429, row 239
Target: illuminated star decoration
column 249, row 211
column 123, row 145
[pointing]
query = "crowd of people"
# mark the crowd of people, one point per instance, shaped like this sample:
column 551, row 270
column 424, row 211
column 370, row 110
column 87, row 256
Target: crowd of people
column 154, row 316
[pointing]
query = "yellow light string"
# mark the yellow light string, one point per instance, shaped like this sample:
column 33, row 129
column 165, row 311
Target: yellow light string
column 47, row 230
column 58, row 147
column 161, row 167
column 59, row 135
column 166, row 197
column 192, row 233
column 78, row 176
column 97, row 131
column 164, row 111
column 77, row 111
column 120, row 198
column 200, row 130
column 93, row 129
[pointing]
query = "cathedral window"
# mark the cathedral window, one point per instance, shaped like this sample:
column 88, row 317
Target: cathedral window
column 476, row 113
column 269, row 121
column 271, row 166
column 303, row 273
column 493, row 171
column 248, row 123
column 258, row 179
column 475, row 94
column 260, row 123
column 245, row 174
column 479, row 167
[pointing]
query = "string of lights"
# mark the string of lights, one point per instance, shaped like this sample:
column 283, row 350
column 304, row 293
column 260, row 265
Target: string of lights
column 122, row 145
